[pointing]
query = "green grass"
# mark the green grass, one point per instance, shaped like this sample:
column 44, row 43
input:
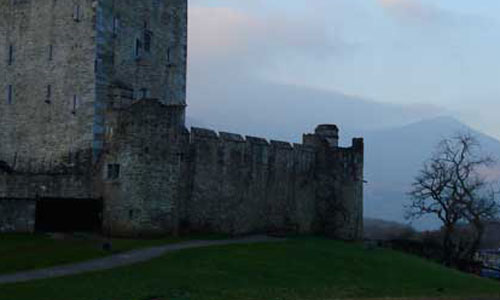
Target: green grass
column 303, row 269
column 19, row 252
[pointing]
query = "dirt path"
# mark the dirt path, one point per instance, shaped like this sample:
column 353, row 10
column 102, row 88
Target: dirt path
column 123, row 259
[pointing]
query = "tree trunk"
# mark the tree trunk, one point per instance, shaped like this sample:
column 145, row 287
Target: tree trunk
column 448, row 246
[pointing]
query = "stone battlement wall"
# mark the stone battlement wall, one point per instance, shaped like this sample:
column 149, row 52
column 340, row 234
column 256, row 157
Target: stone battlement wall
column 248, row 184
column 175, row 180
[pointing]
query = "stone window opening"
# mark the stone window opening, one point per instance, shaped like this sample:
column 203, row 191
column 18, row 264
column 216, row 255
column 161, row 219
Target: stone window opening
column 147, row 37
column 51, row 52
column 169, row 57
column 143, row 93
column 138, row 46
column 131, row 214
column 49, row 94
column 113, row 172
column 10, row 59
column 74, row 105
column 10, row 94
column 116, row 25
column 76, row 13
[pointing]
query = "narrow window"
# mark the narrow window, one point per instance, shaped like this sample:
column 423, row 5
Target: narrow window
column 144, row 93
column 168, row 55
column 147, row 37
column 113, row 171
column 75, row 101
column 51, row 50
column 9, row 94
column 76, row 13
column 138, row 45
column 49, row 93
column 11, row 54
column 116, row 25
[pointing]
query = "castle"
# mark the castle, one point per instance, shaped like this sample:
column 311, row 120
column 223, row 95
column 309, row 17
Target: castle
column 93, row 136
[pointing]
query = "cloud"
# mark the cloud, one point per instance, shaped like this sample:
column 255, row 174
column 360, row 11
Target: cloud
column 218, row 30
column 412, row 9
column 228, row 35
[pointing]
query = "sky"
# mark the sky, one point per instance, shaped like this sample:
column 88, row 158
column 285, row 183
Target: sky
column 434, row 56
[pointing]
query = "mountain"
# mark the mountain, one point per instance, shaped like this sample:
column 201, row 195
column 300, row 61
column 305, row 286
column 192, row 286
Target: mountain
column 394, row 156
column 285, row 112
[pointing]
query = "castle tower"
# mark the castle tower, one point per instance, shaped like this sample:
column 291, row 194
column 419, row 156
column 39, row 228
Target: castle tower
column 65, row 63
column 339, row 183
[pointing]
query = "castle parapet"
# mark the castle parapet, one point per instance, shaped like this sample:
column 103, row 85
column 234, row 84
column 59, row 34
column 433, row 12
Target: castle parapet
column 281, row 145
column 203, row 133
column 358, row 145
column 329, row 133
column 231, row 137
column 257, row 140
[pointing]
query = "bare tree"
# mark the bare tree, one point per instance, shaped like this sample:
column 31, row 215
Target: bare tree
column 450, row 187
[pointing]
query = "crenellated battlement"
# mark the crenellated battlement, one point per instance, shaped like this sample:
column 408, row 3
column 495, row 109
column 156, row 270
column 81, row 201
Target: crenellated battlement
column 311, row 141
column 213, row 181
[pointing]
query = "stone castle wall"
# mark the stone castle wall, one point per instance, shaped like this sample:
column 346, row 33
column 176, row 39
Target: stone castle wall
column 243, row 185
column 18, row 215
column 174, row 180
column 77, row 123
column 21, row 189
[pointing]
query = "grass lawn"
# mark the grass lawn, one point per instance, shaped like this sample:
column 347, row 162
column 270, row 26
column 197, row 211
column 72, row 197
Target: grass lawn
column 311, row 268
column 19, row 252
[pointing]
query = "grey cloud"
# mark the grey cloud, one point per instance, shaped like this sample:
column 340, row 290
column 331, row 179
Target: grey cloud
column 222, row 33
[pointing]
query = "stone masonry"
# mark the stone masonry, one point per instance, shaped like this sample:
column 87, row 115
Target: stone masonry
column 94, row 108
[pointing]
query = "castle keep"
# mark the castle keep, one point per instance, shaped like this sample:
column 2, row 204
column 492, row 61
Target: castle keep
column 93, row 136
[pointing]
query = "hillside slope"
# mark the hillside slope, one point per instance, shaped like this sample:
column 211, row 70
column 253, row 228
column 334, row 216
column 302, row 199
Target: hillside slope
column 304, row 269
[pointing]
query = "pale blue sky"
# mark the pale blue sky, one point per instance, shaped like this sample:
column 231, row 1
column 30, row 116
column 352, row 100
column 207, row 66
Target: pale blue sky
column 440, row 53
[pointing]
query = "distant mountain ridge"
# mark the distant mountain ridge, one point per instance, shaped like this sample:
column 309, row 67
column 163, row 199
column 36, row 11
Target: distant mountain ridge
column 285, row 112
